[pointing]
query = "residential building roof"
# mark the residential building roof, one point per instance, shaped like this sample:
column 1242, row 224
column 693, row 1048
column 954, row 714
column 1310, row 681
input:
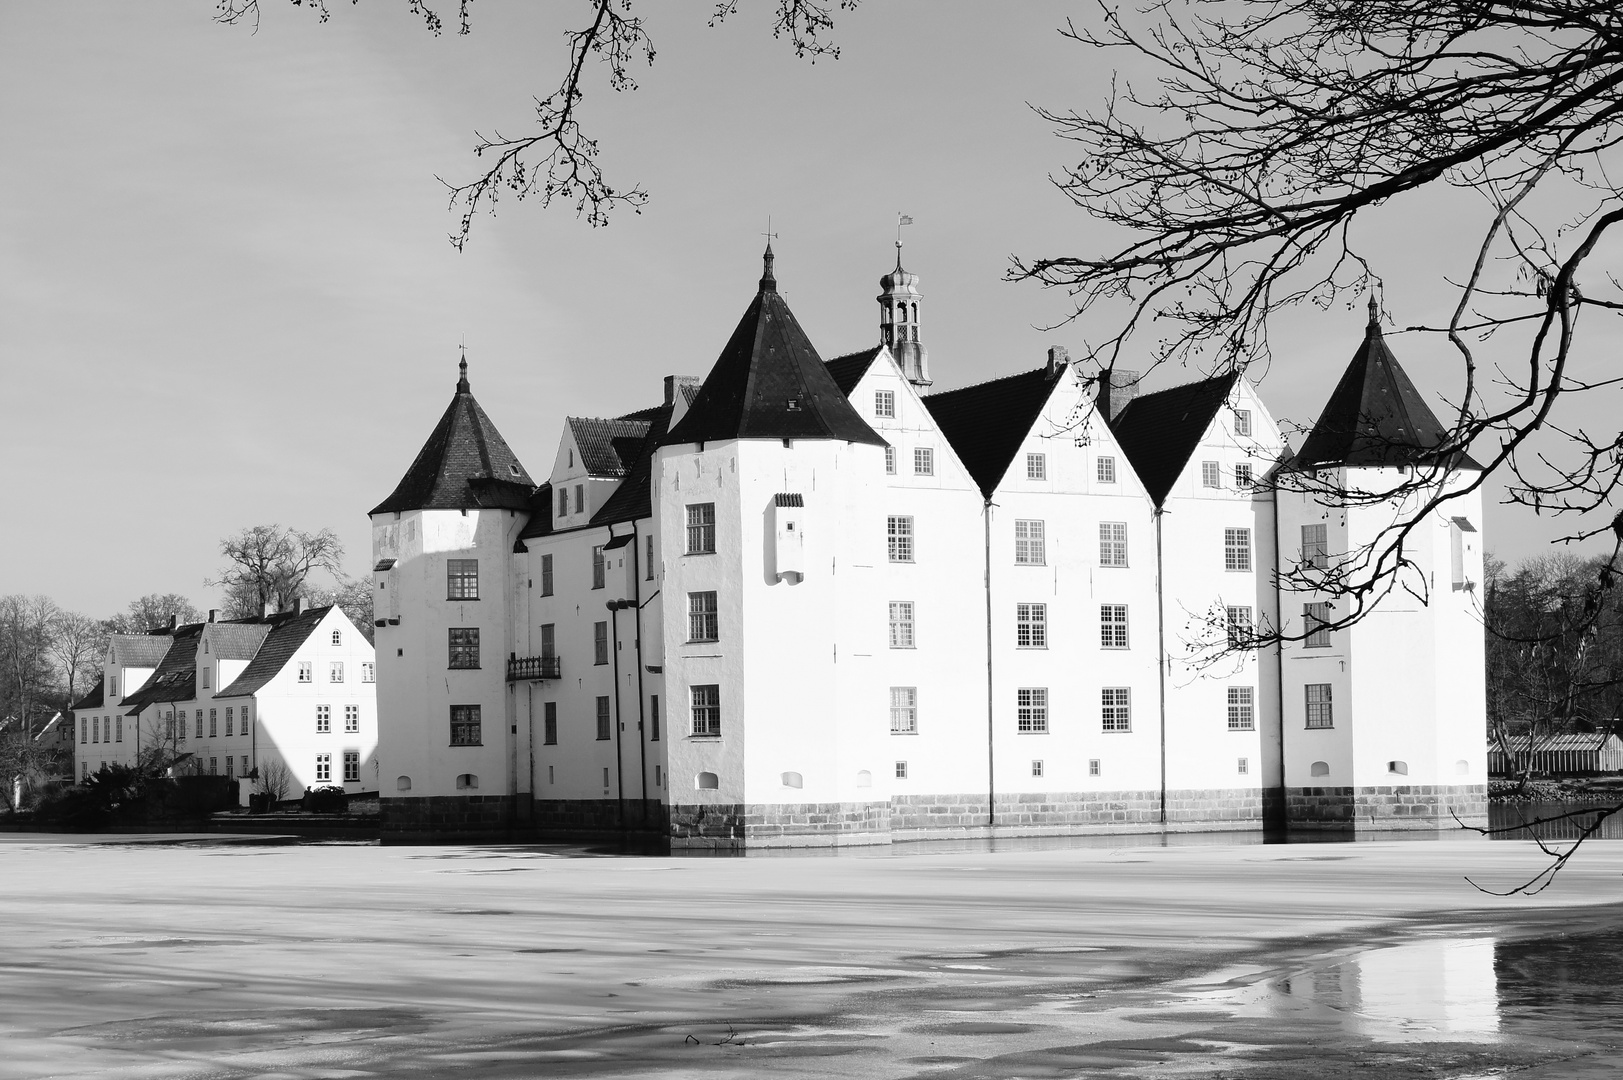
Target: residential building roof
column 236, row 640
column 987, row 423
column 93, row 699
column 176, row 677
column 289, row 632
column 1375, row 416
column 769, row 383
column 539, row 519
column 139, row 650
column 633, row 499
column 1159, row 432
column 608, row 447
column 1583, row 740
column 849, row 369
column 464, row 464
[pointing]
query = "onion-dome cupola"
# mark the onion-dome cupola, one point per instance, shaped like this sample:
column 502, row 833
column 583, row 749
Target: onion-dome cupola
column 899, row 298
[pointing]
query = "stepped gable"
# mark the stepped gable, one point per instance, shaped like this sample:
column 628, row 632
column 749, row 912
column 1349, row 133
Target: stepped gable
column 769, row 383
column 1375, row 416
column 288, row 631
column 464, row 465
column 987, row 423
column 849, row 369
column 176, row 677
column 1159, row 432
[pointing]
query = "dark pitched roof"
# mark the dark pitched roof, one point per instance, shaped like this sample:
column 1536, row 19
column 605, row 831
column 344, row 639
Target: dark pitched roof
column 538, row 520
column 92, row 700
column 986, row 423
column 176, row 677
column 1375, row 416
column 849, row 369
column 139, row 650
column 769, row 383
column 288, row 633
column 464, row 464
column 633, row 499
column 236, row 640
column 607, row 445
column 1159, row 432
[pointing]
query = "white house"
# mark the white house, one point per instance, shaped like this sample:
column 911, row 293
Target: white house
column 800, row 602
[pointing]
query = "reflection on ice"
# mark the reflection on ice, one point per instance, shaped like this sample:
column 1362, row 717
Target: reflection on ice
column 1426, row 991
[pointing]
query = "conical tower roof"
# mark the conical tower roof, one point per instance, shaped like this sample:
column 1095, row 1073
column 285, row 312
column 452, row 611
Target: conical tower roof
column 464, row 465
column 1375, row 416
column 769, row 383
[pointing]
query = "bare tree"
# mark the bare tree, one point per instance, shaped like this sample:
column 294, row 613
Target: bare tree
column 153, row 612
column 269, row 566
column 275, row 779
column 27, row 680
column 355, row 597
column 77, row 646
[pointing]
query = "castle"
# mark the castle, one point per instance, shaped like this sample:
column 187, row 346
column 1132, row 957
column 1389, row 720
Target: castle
column 801, row 602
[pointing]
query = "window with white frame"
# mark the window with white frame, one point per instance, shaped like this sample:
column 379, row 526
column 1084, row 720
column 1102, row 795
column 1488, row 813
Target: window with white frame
column 214, row 766
column 1093, row 766
column 701, row 528
column 352, row 766
column 1115, row 709
column 563, row 502
column 1104, row 469
column 1208, row 475
column 901, row 624
column 923, row 461
column 580, row 498
column 702, row 621
column 1244, row 766
column 890, row 461
column 597, row 566
column 323, row 768
column 466, row 726
column 214, row 725
column 1031, row 710
column 337, row 637
column 1315, row 547
column 462, row 579
column 231, row 764
column 1036, row 767
column 1243, row 479
column 1113, row 626
column 1242, row 708
column 901, row 770
column 706, row 701
column 464, row 647
column 118, row 727
column 1112, row 543
column 323, row 718
column 306, row 669
column 1241, row 630
column 1036, row 466
column 1319, row 714
column 352, row 718
column 229, row 719
column 203, row 669
column 884, row 403
column 904, row 710
column 1031, row 626
column 546, row 575
column 1236, row 549
column 335, row 671
column 369, row 671
column 899, row 536
column 1030, row 545
column 1242, row 422
column 1316, row 624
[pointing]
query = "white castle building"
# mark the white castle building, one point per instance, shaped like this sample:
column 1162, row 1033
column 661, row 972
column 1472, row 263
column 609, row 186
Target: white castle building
column 799, row 602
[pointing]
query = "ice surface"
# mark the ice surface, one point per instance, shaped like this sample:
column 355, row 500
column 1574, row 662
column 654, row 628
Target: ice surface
column 216, row 960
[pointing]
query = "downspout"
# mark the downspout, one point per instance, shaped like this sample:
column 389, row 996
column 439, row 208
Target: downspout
column 1279, row 661
column 991, row 773
column 619, row 764
column 1161, row 652
column 642, row 698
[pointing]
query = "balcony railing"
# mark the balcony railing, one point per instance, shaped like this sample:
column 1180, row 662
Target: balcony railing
column 520, row 668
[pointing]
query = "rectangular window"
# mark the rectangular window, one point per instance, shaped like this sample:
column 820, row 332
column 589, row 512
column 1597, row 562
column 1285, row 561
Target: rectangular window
column 706, row 709
column 904, row 710
column 563, row 502
column 1116, row 709
column 546, row 575
column 884, row 403
column 352, row 766
column 1242, row 708
column 1036, row 466
column 901, row 624
column 597, row 566
column 337, row 637
column 118, row 727
column 323, row 768
column 84, row 730
column 335, row 671
column 1093, row 766
column 653, row 718
column 701, row 528
column 214, row 766
column 369, row 671
column 95, row 730
column 1242, row 422
column 890, row 461
column 1240, row 627
column 231, row 764
column 1031, row 626
column 169, row 727
column 464, row 646
column 923, row 461
column 1243, row 480
column 603, row 722
column 1036, row 768
column 549, row 723
column 702, row 623
column 205, row 672
column 1319, row 714
column 901, row 770
column 1315, row 621
column 1030, row 547
column 899, row 533
column 1113, row 626
column 245, row 721
column 465, row 726
column 1031, row 710
column 1112, row 543
column 549, row 640
column 580, row 498
column 214, row 726
column 228, row 719
column 462, row 579
column 1105, row 469
column 305, row 671
column 352, row 718
column 600, row 643
column 1236, row 549
column 649, row 558
column 1208, row 474
column 1315, row 547
column 198, row 720
column 323, row 718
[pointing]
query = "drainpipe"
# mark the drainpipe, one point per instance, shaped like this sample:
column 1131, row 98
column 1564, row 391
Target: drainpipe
column 614, row 607
column 642, row 698
column 1279, row 661
column 1161, row 652
column 991, row 730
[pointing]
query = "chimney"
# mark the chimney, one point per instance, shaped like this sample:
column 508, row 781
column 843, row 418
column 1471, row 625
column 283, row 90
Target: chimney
column 270, row 609
column 298, row 605
column 1116, row 389
column 1058, row 357
column 214, row 614
column 673, row 383
column 172, row 621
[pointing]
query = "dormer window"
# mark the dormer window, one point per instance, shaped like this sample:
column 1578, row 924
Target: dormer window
column 512, row 468
column 794, row 404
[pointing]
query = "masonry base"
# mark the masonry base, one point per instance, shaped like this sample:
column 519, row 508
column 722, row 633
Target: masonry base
column 1386, row 808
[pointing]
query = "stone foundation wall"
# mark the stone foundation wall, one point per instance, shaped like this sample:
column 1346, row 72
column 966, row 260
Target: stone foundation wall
column 444, row 815
column 712, row 825
column 1062, row 811
column 786, row 824
column 1398, row 806
column 575, row 817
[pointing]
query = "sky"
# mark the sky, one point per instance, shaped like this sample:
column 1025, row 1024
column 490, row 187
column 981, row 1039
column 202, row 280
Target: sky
column 227, row 296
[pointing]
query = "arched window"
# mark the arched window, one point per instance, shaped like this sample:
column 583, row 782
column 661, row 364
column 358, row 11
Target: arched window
column 1462, row 767
column 402, row 783
column 706, row 781
column 864, row 778
column 1319, row 768
column 1399, row 767
column 792, row 779
column 466, row 780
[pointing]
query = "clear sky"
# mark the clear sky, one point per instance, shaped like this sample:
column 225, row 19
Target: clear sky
column 227, row 297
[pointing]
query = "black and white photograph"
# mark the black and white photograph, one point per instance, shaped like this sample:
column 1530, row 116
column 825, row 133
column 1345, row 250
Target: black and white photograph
column 811, row 539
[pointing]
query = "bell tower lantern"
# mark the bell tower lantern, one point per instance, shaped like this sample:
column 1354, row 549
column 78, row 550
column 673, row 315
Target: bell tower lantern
column 899, row 298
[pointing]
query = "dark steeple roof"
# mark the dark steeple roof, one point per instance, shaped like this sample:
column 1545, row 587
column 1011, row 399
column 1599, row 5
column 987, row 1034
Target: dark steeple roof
column 1375, row 416
column 1159, row 432
column 987, row 423
column 770, row 384
column 465, row 464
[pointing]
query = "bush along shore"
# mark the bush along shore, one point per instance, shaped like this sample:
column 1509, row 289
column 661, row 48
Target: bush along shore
column 1599, row 789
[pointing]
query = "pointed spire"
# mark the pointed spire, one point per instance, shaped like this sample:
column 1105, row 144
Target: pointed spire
column 1374, row 315
column 462, row 386
column 768, row 282
column 899, row 271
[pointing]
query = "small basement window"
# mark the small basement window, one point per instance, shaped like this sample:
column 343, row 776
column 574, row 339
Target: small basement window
column 793, row 779
column 402, row 783
column 706, row 781
column 1399, row 767
column 466, row 781
column 1319, row 768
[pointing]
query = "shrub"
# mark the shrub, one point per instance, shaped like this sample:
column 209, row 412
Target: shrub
column 326, row 800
